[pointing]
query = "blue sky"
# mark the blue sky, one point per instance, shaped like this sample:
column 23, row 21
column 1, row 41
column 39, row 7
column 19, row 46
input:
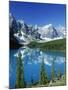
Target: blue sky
column 38, row 13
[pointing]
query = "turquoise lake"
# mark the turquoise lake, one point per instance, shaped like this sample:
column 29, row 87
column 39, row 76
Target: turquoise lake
column 32, row 59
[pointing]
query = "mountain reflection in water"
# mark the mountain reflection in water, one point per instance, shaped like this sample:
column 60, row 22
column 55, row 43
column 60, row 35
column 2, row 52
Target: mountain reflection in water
column 32, row 59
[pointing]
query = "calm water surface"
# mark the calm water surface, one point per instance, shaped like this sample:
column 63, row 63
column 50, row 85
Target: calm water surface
column 32, row 59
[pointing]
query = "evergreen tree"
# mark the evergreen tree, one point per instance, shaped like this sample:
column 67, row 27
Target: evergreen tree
column 53, row 71
column 43, row 75
column 20, row 83
column 59, row 74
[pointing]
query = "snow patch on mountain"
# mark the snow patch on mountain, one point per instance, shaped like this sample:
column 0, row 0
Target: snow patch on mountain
column 48, row 31
column 22, row 37
column 25, row 33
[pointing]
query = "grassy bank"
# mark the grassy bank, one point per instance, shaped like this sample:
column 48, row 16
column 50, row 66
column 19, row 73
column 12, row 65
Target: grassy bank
column 52, row 45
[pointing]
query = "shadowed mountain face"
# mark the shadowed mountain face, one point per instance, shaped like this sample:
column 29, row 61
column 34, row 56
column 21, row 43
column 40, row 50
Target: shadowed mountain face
column 13, row 28
column 22, row 33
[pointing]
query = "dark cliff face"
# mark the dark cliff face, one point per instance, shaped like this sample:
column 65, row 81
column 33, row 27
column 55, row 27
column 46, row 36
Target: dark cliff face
column 16, row 26
column 13, row 28
column 14, row 43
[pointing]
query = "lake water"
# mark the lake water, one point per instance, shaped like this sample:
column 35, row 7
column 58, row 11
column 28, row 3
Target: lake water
column 32, row 60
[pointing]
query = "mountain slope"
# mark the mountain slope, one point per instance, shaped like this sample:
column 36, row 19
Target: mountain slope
column 52, row 45
column 48, row 31
column 22, row 33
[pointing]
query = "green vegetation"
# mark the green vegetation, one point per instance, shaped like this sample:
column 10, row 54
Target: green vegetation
column 43, row 79
column 43, row 75
column 59, row 82
column 20, row 83
column 52, row 45
column 59, row 74
column 53, row 71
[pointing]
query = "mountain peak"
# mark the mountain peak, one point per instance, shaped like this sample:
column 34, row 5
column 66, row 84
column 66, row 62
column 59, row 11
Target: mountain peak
column 49, row 26
column 34, row 32
column 21, row 21
column 36, row 27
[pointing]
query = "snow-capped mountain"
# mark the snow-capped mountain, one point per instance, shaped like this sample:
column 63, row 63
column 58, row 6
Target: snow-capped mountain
column 62, row 31
column 24, row 33
column 48, row 31
column 22, row 37
column 12, row 24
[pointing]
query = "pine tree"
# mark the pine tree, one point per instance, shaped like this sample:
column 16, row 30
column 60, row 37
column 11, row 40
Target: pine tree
column 59, row 74
column 53, row 71
column 20, row 83
column 43, row 76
